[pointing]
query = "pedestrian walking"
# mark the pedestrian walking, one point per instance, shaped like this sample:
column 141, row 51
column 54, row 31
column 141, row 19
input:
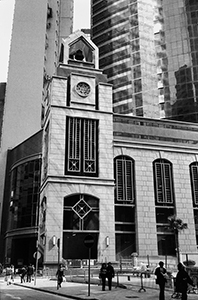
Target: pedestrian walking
column 182, row 281
column 23, row 273
column 161, row 274
column 103, row 275
column 110, row 274
column 59, row 274
column 12, row 273
column 30, row 272
column 1, row 268
column 8, row 275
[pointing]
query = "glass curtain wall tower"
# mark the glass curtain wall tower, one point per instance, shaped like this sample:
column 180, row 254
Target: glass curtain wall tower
column 148, row 51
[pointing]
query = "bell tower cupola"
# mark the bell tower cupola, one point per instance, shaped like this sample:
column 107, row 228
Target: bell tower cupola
column 77, row 49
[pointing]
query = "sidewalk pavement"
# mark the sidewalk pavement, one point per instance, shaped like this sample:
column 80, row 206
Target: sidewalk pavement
column 77, row 288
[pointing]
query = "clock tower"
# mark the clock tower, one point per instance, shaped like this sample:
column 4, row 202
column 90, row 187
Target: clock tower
column 77, row 189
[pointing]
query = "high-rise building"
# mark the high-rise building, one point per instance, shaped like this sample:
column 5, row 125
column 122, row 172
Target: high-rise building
column 148, row 51
column 38, row 28
column 2, row 101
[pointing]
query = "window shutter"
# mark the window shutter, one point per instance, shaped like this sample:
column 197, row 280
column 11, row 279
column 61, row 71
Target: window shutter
column 163, row 180
column 124, row 180
column 194, row 174
column 74, row 144
column 159, row 183
column 168, row 183
column 82, row 146
column 119, row 180
column 89, row 146
column 129, row 184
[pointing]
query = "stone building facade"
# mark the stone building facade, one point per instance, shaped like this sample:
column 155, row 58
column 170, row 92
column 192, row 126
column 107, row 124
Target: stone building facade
column 114, row 177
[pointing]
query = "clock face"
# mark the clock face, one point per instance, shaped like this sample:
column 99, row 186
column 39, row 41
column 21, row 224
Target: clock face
column 83, row 89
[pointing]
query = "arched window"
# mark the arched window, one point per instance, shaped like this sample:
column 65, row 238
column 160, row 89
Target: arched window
column 125, row 215
column 81, row 212
column 163, row 182
column 124, row 179
column 164, row 205
column 80, row 218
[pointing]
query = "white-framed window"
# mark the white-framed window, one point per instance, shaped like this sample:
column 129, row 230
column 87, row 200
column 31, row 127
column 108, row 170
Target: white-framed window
column 81, row 146
column 124, row 179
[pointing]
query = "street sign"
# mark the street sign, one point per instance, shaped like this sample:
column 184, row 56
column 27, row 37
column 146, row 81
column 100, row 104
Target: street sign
column 38, row 255
column 89, row 241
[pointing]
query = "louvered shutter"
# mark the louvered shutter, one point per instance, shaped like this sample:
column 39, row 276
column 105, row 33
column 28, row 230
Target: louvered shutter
column 163, row 180
column 167, row 183
column 89, row 146
column 124, row 180
column 129, row 183
column 119, row 180
column 159, row 183
column 194, row 174
column 74, row 153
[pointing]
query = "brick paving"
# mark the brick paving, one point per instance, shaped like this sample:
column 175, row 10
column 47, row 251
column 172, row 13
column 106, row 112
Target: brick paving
column 78, row 290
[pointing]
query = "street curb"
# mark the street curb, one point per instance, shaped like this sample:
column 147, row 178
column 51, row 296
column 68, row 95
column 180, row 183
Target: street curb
column 56, row 293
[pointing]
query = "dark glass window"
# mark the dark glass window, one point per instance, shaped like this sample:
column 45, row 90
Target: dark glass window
column 166, row 244
column 138, row 100
column 137, row 85
column 25, row 184
column 162, row 214
column 139, row 112
column 136, row 58
column 125, row 245
column 124, row 214
column 81, row 212
column 137, row 72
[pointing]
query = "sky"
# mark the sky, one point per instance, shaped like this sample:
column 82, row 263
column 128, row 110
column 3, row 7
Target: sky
column 81, row 20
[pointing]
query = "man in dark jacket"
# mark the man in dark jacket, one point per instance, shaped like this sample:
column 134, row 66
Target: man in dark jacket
column 60, row 274
column 30, row 272
column 182, row 281
column 103, row 275
column 160, row 272
column 110, row 274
